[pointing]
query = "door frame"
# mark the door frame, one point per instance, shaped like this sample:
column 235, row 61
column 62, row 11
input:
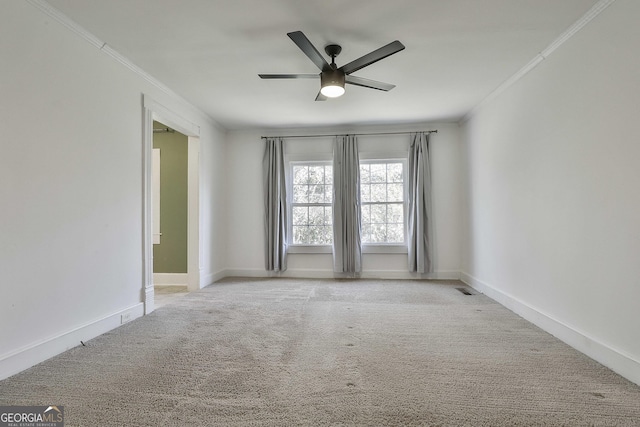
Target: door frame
column 152, row 110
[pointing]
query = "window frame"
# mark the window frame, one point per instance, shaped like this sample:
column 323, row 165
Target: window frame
column 295, row 160
column 389, row 157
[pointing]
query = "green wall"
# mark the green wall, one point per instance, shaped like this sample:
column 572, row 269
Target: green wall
column 170, row 256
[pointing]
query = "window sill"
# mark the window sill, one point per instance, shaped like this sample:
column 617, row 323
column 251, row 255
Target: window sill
column 366, row 249
column 310, row 249
column 384, row 249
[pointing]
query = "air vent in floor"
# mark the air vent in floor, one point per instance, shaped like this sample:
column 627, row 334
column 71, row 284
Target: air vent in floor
column 465, row 291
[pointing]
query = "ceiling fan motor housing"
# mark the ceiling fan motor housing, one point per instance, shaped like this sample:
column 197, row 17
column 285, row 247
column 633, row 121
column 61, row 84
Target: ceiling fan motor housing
column 332, row 78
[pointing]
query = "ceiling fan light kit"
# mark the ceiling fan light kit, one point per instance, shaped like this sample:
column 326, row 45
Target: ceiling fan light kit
column 332, row 83
column 332, row 78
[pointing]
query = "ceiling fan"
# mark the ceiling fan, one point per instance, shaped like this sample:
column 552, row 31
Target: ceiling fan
column 332, row 78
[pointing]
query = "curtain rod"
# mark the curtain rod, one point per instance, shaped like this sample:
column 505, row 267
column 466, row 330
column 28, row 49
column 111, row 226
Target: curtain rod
column 356, row 134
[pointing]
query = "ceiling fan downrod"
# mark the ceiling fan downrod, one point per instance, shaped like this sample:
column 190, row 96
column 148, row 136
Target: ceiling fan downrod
column 333, row 50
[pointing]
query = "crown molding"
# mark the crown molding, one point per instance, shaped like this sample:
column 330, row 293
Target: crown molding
column 66, row 21
column 101, row 45
column 544, row 54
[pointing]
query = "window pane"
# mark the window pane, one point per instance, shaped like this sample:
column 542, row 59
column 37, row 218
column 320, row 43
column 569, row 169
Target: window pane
column 378, row 192
column 378, row 172
column 328, row 215
column 300, row 194
column 365, row 174
column 328, row 174
column 395, row 233
column 300, row 215
column 394, row 192
column 365, row 213
column 300, row 235
column 394, row 172
column 378, row 233
column 316, row 174
column 366, row 232
column 395, row 214
column 328, row 193
column 325, row 235
column 316, row 193
column 316, row 215
column 300, row 175
column 365, row 193
column 378, row 214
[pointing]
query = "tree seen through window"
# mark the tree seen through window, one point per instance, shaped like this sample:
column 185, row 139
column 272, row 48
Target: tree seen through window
column 311, row 208
column 382, row 198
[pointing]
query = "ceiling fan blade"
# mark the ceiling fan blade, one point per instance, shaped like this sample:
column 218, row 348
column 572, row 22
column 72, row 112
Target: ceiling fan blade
column 321, row 97
column 305, row 45
column 375, row 56
column 289, row 76
column 372, row 84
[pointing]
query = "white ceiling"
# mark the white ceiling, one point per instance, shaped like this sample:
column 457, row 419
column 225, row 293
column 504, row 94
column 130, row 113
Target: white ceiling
column 211, row 51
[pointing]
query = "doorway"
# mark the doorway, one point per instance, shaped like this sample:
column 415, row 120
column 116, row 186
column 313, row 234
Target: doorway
column 170, row 208
column 164, row 117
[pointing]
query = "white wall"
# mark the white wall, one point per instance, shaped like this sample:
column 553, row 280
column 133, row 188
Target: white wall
column 71, row 187
column 246, row 210
column 213, row 212
column 553, row 206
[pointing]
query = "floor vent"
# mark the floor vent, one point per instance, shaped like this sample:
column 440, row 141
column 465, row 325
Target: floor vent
column 464, row 291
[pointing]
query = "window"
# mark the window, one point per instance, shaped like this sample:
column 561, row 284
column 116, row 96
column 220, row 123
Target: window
column 311, row 214
column 382, row 189
column 382, row 198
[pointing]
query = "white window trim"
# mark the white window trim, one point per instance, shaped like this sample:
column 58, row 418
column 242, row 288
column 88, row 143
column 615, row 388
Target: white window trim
column 367, row 248
column 384, row 155
column 382, row 248
column 390, row 156
column 310, row 249
column 290, row 160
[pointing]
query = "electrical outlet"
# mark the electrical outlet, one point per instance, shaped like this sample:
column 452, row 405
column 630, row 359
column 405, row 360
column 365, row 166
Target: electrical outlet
column 124, row 318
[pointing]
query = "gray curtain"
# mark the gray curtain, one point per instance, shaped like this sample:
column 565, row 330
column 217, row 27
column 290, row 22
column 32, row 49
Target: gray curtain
column 347, row 247
column 275, row 205
column 419, row 216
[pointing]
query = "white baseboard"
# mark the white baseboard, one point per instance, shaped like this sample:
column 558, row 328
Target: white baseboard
column 329, row 274
column 149, row 300
column 26, row 357
column 168, row 279
column 614, row 359
column 406, row 275
column 207, row 279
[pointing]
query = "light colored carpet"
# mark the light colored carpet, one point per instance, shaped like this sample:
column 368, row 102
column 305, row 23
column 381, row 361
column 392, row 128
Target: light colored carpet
column 165, row 294
column 284, row 352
